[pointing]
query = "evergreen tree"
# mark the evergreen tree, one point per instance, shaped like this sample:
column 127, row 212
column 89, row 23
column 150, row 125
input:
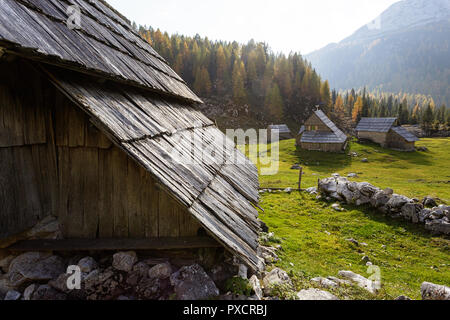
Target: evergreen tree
column 238, row 79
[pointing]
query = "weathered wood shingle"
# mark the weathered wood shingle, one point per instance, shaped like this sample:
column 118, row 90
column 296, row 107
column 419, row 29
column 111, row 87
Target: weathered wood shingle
column 105, row 44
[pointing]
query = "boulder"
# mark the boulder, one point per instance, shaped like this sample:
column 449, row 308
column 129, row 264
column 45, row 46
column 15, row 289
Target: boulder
column 256, row 285
column 48, row 228
column 396, row 202
column 87, row 264
column 45, row 292
column 141, row 269
column 28, row 292
column 429, row 202
column 361, row 281
column 268, row 254
column 124, row 261
column 34, row 266
column 312, row 190
column 438, row 226
column 327, row 185
column 274, row 278
column 410, row 211
column 315, row 294
column 160, row 271
column 12, row 295
column 431, row 291
column 367, row 189
column 381, row 198
column 192, row 283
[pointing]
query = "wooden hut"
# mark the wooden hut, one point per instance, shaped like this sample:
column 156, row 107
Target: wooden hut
column 387, row 133
column 319, row 133
column 284, row 133
column 97, row 130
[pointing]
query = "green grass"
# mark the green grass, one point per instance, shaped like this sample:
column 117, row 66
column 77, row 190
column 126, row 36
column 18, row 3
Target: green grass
column 411, row 255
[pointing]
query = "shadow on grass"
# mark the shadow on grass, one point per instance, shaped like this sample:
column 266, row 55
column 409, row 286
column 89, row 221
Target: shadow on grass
column 322, row 162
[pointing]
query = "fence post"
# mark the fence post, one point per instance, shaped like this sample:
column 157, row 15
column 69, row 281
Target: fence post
column 300, row 179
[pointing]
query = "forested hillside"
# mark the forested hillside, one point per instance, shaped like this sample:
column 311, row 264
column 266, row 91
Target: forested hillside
column 273, row 86
column 277, row 88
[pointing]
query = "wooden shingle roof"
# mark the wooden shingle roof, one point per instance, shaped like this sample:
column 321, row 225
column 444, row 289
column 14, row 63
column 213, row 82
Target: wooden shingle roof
column 281, row 128
column 105, row 45
column 335, row 136
column 405, row 134
column 152, row 117
column 376, row 124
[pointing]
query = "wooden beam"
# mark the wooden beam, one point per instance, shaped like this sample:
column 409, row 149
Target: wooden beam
column 115, row 244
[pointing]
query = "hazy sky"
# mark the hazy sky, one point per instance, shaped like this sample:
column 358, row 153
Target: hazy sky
column 286, row 25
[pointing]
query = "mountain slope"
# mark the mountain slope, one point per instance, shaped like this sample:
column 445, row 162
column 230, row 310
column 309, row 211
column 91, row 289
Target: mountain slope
column 405, row 49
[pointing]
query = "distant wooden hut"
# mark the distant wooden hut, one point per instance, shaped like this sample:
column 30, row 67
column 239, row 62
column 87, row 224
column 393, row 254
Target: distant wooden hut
column 283, row 130
column 96, row 129
column 319, row 133
column 387, row 133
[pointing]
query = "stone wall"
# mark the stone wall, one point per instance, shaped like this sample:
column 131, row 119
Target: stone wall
column 435, row 219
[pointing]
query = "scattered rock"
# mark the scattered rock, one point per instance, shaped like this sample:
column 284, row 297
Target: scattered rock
column 431, row 291
column 422, row 149
column 87, row 264
column 192, row 283
column 268, row 254
column 264, row 227
column 296, row 167
column 45, row 292
column 160, row 271
column 141, row 269
column 124, row 261
column 315, row 294
column 34, row 266
column 243, row 271
column 12, row 295
column 340, row 282
column 365, row 259
column 429, row 202
column 359, row 280
column 28, row 293
column 312, row 190
column 324, row 283
column 352, row 175
column 256, row 285
column 365, row 160
column 274, row 278
column 288, row 190
column 337, row 207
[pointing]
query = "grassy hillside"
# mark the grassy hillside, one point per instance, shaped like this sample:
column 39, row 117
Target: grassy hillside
column 313, row 235
column 414, row 174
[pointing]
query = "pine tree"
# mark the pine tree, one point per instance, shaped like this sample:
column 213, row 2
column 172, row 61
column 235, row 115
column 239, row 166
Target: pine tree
column 325, row 94
column 238, row 79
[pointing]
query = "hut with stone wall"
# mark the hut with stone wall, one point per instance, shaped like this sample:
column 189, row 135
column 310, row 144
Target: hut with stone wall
column 97, row 131
column 387, row 133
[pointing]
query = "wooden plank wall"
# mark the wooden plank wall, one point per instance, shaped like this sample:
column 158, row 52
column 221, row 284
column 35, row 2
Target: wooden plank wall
column 315, row 121
column 66, row 167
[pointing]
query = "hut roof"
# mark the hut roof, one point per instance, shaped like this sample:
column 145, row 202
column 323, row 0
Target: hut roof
column 281, row 128
column 211, row 178
column 405, row 134
column 105, row 45
column 376, row 124
column 336, row 136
